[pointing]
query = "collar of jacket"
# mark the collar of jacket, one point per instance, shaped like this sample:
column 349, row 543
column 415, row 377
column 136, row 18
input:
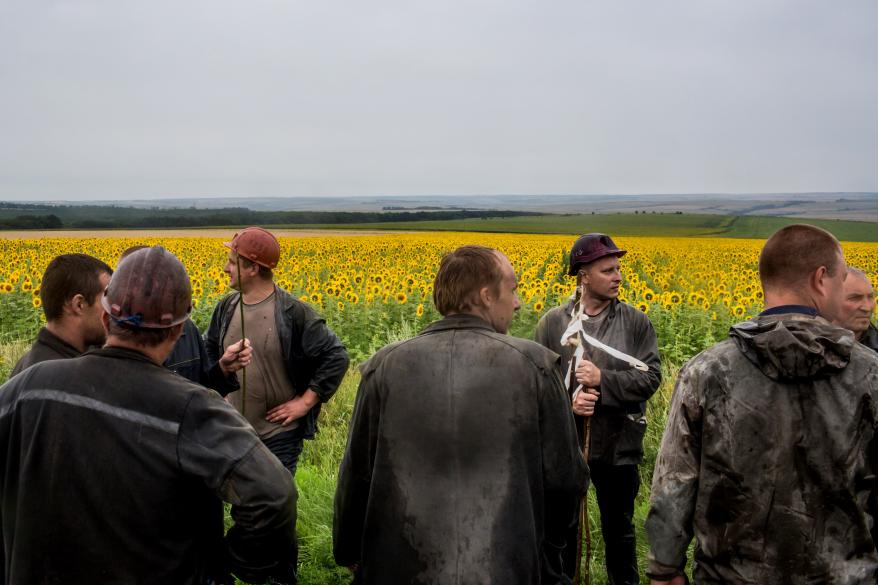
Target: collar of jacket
column 122, row 353
column 51, row 340
column 460, row 321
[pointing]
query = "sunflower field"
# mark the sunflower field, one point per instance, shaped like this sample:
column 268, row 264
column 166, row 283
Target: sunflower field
column 374, row 289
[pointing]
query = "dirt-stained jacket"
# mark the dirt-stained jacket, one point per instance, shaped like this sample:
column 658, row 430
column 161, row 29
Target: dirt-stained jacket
column 462, row 464
column 770, row 459
column 314, row 357
column 618, row 423
column 115, row 470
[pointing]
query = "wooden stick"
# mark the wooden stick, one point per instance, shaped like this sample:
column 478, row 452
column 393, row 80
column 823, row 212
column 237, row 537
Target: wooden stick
column 243, row 337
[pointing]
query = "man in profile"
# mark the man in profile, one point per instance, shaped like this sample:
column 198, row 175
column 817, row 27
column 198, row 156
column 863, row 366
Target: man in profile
column 70, row 293
column 857, row 308
column 297, row 361
column 769, row 457
column 462, row 464
column 115, row 469
column 613, row 397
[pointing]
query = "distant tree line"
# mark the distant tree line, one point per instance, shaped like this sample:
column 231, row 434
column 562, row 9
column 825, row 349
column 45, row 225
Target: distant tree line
column 31, row 222
column 29, row 216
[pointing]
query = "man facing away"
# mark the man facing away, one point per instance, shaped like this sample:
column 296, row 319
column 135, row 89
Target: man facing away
column 115, row 469
column 462, row 464
column 188, row 357
column 70, row 293
column 769, row 458
column 857, row 308
column 613, row 398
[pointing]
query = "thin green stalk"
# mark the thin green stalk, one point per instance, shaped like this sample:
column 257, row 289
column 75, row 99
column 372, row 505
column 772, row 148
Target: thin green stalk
column 243, row 337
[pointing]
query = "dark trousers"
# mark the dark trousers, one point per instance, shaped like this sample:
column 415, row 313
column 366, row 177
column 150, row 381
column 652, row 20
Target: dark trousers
column 616, row 488
column 287, row 447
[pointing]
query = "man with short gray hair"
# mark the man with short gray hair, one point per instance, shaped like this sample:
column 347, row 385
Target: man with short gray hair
column 857, row 308
column 462, row 464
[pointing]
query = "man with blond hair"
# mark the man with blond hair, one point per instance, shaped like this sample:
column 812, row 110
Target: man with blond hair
column 770, row 453
column 462, row 464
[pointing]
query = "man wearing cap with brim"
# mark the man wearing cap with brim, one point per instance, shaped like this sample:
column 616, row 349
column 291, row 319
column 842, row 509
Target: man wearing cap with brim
column 613, row 394
column 189, row 359
column 297, row 362
column 115, row 469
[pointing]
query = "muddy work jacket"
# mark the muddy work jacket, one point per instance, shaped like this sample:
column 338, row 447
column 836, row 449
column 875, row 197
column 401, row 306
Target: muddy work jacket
column 115, row 471
column 619, row 421
column 314, row 357
column 770, row 459
column 462, row 464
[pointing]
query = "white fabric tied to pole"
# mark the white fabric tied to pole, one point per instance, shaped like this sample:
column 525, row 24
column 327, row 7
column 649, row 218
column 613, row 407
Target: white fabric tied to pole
column 576, row 327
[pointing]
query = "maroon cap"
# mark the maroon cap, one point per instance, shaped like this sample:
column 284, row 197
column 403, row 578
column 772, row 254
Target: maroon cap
column 257, row 245
column 589, row 248
column 150, row 289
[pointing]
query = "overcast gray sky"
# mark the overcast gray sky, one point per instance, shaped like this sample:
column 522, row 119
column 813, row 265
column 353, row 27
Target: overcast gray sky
column 115, row 99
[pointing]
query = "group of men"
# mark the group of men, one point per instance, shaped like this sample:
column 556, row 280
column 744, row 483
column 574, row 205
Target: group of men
column 469, row 451
column 119, row 458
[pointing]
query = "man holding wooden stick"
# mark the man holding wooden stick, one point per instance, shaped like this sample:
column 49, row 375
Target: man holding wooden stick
column 297, row 361
column 616, row 370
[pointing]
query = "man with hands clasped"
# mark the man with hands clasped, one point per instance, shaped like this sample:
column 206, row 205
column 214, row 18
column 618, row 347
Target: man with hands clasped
column 613, row 395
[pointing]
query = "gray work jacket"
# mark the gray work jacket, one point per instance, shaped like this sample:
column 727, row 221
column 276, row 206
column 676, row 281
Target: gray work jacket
column 618, row 423
column 462, row 464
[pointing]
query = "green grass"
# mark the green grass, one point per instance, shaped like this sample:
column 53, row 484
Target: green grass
column 627, row 224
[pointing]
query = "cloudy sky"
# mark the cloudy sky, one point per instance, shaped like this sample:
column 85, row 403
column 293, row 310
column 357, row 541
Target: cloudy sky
column 115, row 99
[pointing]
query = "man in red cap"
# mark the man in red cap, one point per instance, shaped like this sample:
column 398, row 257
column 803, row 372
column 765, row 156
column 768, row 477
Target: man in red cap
column 297, row 361
column 609, row 386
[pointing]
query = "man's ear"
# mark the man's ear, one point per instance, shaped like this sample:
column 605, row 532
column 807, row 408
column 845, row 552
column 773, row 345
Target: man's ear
column 486, row 296
column 819, row 280
column 75, row 305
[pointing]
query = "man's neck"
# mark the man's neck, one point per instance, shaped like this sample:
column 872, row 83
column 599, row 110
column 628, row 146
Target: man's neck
column 594, row 306
column 157, row 353
column 257, row 291
column 782, row 299
column 68, row 332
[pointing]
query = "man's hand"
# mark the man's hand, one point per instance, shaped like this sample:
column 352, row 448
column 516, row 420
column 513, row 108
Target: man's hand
column 588, row 374
column 237, row 356
column 585, row 400
column 292, row 409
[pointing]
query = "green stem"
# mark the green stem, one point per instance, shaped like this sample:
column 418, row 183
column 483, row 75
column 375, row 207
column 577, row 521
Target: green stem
column 243, row 337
